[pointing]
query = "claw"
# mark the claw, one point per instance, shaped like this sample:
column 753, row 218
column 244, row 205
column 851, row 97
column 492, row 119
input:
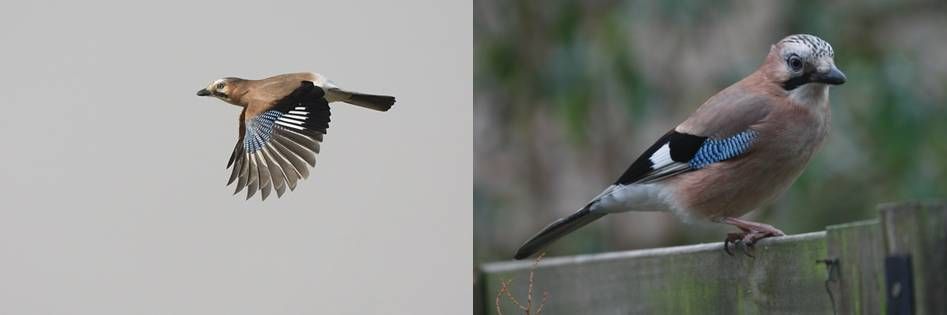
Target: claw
column 750, row 232
column 732, row 238
column 746, row 250
column 745, row 240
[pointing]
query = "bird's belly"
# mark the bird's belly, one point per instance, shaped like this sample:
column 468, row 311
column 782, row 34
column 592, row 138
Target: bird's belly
column 718, row 194
column 735, row 187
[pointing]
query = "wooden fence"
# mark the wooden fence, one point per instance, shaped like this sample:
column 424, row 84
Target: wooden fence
column 896, row 264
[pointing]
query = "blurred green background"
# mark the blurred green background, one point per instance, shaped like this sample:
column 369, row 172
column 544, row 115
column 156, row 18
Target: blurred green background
column 568, row 94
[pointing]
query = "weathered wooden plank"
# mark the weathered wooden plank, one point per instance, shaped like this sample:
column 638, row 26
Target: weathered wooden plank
column 920, row 230
column 698, row 279
column 859, row 286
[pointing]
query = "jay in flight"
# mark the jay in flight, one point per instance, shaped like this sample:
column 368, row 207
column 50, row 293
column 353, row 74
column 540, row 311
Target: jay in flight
column 741, row 148
column 283, row 121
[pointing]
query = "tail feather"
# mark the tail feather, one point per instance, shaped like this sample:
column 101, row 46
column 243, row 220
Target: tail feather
column 556, row 230
column 376, row 102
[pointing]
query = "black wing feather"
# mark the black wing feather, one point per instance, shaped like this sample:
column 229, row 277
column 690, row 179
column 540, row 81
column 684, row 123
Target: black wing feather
column 682, row 147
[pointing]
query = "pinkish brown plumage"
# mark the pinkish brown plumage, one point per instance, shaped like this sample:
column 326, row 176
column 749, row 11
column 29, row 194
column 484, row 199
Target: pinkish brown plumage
column 740, row 149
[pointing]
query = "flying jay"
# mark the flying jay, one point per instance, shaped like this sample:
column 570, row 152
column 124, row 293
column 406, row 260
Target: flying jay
column 283, row 121
column 741, row 148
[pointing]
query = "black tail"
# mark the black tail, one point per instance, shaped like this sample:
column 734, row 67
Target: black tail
column 376, row 102
column 556, row 230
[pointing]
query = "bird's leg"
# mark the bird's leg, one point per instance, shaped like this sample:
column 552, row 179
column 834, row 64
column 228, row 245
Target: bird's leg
column 750, row 232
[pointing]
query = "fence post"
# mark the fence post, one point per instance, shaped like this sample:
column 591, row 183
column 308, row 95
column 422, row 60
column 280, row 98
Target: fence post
column 918, row 231
column 859, row 283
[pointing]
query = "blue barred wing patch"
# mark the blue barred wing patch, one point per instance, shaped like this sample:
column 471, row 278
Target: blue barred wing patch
column 259, row 130
column 716, row 150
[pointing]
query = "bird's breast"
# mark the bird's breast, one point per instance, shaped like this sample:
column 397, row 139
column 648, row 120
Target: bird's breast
column 788, row 138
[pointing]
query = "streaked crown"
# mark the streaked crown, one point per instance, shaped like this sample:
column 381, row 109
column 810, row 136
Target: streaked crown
column 812, row 44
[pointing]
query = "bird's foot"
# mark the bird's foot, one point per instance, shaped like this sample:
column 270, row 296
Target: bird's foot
column 750, row 233
column 736, row 240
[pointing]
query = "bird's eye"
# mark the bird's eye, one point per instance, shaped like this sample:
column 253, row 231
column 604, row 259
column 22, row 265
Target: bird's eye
column 220, row 86
column 795, row 63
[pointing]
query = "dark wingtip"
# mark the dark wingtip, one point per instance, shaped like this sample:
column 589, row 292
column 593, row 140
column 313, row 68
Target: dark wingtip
column 556, row 230
column 390, row 103
column 377, row 102
column 527, row 249
column 520, row 254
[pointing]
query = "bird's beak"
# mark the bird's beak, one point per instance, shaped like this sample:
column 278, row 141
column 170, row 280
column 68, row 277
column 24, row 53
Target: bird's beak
column 203, row 92
column 834, row 76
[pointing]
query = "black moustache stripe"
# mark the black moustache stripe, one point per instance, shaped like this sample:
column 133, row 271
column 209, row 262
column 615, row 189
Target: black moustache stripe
column 795, row 82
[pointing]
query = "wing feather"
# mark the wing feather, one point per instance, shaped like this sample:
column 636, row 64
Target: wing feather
column 236, row 168
column 276, row 174
column 242, row 178
column 264, row 175
column 298, row 164
column 298, row 149
column 288, row 170
column 301, row 139
column 253, row 185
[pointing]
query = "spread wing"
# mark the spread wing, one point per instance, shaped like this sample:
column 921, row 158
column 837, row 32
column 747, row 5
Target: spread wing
column 677, row 152
column 278, row 146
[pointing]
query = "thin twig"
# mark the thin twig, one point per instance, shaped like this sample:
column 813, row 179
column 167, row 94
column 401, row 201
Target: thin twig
column 509, row 295
column 505, row 290
column 529, row 289
column 539, row 311
column 500, row 293
column 529, row 292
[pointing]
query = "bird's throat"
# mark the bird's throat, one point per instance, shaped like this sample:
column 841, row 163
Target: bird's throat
column 809, row 95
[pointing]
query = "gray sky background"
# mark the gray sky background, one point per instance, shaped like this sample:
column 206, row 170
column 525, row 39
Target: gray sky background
column 113, row 171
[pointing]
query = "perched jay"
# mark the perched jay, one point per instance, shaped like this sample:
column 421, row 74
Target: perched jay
column 740, row 149
column 283, row 121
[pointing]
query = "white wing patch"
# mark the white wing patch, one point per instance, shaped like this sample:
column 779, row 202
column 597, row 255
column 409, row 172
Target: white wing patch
column 661, row 157
column 295, row 116
column 663, row 165
column 284, row 124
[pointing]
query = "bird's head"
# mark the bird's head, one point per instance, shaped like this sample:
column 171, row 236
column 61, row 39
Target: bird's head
column 802, row 60
column 223, row 88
